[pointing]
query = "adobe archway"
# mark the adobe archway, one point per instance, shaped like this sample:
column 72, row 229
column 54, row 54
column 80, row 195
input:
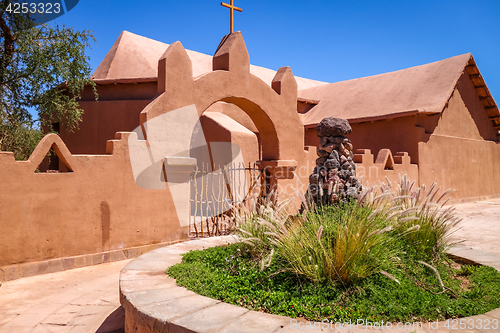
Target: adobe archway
column 273, row 108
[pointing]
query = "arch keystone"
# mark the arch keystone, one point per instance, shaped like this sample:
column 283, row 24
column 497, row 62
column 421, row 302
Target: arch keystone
column 232, row 54
column 174, row 69
column 284, row 83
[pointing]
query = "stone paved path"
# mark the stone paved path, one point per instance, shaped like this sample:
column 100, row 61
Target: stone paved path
column 480, row 227
column 79, row 300
column 86, row 299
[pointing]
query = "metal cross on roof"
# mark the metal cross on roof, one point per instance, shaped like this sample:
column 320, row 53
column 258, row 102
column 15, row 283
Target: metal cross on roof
column 232, row 8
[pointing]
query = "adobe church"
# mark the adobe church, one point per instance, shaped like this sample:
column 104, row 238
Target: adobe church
column 440, row 115
column 122, row 181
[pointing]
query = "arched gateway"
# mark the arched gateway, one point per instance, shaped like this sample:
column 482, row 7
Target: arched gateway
column 168, row 122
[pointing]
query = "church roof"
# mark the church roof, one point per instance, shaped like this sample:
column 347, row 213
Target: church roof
column 421, row 89
column 134, row 58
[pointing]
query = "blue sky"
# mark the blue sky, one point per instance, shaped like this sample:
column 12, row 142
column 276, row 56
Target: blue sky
column 323, row 40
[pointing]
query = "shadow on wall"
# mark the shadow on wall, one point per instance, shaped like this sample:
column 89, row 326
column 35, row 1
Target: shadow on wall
column 105, row 222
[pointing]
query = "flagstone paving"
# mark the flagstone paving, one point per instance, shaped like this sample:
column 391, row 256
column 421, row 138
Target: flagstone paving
column 480, row 226
column 87, row 299
column 79, row 300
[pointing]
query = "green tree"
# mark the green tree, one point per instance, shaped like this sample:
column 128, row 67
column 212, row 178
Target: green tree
column 43, row 69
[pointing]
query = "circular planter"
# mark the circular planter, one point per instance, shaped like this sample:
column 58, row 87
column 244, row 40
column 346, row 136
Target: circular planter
column 154, row 303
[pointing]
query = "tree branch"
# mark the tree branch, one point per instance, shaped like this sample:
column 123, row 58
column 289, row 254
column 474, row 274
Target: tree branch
column 8, row 46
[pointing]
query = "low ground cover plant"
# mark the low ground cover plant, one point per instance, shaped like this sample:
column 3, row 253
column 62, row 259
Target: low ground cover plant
column 382, row 257
column 232, row 275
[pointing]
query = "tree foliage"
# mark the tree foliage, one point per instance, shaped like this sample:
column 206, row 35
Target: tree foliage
column 43, row 69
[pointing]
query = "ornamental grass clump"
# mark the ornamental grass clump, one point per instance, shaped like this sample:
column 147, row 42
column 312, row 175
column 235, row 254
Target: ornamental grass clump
column 261, row 224
column 417, row 214
column 347, row 242
column 339, row 245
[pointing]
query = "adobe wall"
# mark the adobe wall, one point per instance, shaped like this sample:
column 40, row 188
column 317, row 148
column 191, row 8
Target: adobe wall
column 101, row 120
column 469, row 166
column 393, row 146
column 398, row 134
column 96, row 208
column 236, row 114
column 465, row 116
column 295, row 181
column 461, row 153
column 218, row 126
column 117, row 110
column 372, row 170
column 126, row 89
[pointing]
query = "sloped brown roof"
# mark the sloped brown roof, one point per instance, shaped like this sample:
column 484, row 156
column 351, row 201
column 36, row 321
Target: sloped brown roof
column 421, row 89
column 134, row 58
